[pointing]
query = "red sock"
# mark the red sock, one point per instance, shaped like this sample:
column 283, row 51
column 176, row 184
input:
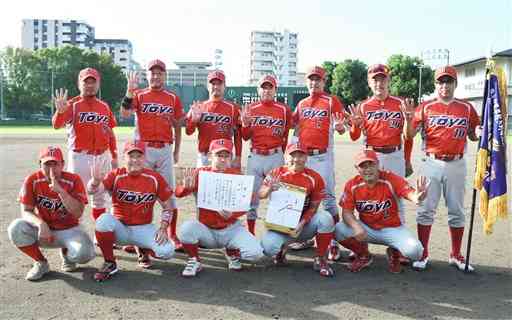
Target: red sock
column 97, row 212
column 456, row 235
column 233, row 252
column 106, row 243
column 323, row 240
column 171, row 230
column 359, row 248
column 192, row 250
column 251, row 226
column 424, row 236
column 33, row 251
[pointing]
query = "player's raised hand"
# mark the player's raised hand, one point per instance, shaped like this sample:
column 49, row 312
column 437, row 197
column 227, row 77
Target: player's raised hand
column 407, row 107
column 61, row 100
column 275, row 182
column 189, row 178
column 132, row 79
column 339, row 123
column 354, row 115
column 54, row 183
column 195, row 112
column 246, row 117
column 421, row 188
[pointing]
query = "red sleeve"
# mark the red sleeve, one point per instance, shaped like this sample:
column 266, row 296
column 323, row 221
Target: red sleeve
column 400, row 185
column 190, row 126
column 112, row 145
column 60, row 119
column 408, row 144
column 108, row 182
column 164, row 192
column 112, row 119
column 289, row 125
column 26, row 195
column 246, row 133
column 78, row 191
column 178, row 108
column 355, row 132
column 318, row 193
column 237, row 134
column 474, row 119
column 136, row 101
column 347, row 200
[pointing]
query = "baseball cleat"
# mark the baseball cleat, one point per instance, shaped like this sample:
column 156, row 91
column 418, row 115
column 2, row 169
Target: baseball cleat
column 234, row 263
column 192, row 268
column 334, row 251
column 38, row 270
column 459, row 262
column 322, row 266
column 130, row 249
column 106, row 272
column 67, row 266
column 280, row 258
column 360, row 262
column 302, row 245
column 144, row 261
column 394, row 265
column 420, row 265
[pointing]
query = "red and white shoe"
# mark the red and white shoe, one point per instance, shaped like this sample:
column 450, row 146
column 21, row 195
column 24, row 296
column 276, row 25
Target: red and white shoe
column 334, row 251
column 106, row 271
column 360, row 262
column 394, row 265
column 459, row 262
column 192, row 268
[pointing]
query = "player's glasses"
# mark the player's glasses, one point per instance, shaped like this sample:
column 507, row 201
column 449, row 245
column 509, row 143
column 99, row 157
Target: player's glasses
column 445, row 80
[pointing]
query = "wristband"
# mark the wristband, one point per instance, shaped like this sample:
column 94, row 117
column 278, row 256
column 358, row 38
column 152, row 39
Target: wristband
column 127, row 103
column 166, row 215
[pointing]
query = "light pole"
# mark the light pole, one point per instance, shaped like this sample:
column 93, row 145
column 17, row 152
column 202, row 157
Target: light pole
column 52, row 92
column 2, row 110
column 420, row 66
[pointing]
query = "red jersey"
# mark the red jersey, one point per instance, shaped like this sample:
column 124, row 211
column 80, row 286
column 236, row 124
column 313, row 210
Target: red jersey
column 36, row 192
column 308, row 179
column 445, row 127
column 87, row 120
column 155, row 111
column 313, row 119
column 377, row 205
column 383, row 122
column 211, row 219
column 219, row 120
column 270, row 124
column 134, row 196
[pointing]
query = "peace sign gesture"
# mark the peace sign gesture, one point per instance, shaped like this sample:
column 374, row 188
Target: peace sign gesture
column 132, row 81
column 61, row 100
column 355, row 116
column 407, row 107
column 339, row 123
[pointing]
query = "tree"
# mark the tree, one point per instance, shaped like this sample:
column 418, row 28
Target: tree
column 349, row 81
column 329, row 67
column 405, row 74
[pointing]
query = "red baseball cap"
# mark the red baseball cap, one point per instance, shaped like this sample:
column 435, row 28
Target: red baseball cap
column 156, row 63
column 316, row 70
column 366, row 155
column 89, row 73
column 377, row 69
column 268, row 79
column 132, row 145
column 218, row 145
column 216, row 74
column 446, row 71
column 50, row 153
column 292, row 147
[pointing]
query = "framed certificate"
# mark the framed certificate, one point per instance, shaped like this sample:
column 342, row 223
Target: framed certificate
column 285, row 208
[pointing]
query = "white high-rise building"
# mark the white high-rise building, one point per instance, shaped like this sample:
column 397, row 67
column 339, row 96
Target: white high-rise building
column 274, row 53
column 42, row 33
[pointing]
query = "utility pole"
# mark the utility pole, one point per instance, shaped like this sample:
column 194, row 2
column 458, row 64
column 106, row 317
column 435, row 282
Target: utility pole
column 52, row 92
column 2, row 110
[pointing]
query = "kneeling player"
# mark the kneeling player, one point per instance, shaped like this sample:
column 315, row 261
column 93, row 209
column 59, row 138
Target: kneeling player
column 374, row 194
column 134, row 190
column 314, row 222
column 52, row 202
column 216, row 229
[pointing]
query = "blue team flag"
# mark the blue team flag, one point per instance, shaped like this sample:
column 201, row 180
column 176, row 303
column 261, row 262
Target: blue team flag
column 491, row 175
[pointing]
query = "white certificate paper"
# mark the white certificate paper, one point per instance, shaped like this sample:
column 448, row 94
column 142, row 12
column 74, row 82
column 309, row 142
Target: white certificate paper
column 222, row 191
column 285, row 207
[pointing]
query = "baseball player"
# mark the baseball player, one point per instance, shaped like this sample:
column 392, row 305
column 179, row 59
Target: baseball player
column 316, row 117
column 216, row 229
column 52, row 202
column 266, row 123
column 374, row 194
column 215, row 119
column 158, row 114
column 314, row 222
column 134, row 189
column 89, row 122
column 445, row 124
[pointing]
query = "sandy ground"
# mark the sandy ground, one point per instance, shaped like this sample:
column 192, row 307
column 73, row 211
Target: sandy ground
column 293, row 292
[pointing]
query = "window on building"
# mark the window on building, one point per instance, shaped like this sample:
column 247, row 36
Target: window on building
column 45, row 37
column 45, row 45
column 469, row 72
column 36, row 23
column 293, row 55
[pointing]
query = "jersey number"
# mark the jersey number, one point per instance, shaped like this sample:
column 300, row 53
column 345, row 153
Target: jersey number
column 459, row 133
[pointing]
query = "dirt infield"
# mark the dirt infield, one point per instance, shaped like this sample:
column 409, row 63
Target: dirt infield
column 259, row 291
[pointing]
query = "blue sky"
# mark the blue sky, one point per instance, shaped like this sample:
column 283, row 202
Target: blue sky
column 328, row 30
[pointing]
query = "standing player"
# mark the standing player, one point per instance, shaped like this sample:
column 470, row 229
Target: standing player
column 215, row 119
column 89, row 122
column 52, row 202
column 158, row 114
column 216, row 229
column 315, row 118
column 135, row 190
column 313, row 222
column 266, row 123
column 374, row 194
column 445, row 124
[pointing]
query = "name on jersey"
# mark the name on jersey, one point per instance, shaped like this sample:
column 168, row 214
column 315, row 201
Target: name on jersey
column 373, row 206
column 92, row 117
column 267, row 121
column 383, row 115
column 446, row 121
column 156, row 108
column 135, row 197
column 308, row 113
column 50, row 204
column 215, row 118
